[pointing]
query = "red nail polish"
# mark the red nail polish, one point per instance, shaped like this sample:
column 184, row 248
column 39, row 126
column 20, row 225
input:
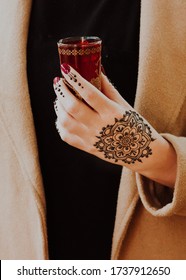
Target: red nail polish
column 56, row 80
column 65, row 68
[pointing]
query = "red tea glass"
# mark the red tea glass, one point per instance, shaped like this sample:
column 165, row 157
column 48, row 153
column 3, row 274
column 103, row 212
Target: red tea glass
column 84, row 55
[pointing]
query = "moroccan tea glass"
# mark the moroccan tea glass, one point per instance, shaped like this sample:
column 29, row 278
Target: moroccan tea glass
column 84, row 55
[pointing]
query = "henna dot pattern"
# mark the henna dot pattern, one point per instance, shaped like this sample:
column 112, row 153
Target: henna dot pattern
column 58, row 88
column 127, row 140
column 55, row 105
column 73, row 78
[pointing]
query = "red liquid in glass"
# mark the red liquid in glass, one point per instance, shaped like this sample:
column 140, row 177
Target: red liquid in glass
column 85, row 57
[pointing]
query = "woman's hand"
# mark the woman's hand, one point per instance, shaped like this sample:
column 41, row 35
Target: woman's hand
column 105, row 125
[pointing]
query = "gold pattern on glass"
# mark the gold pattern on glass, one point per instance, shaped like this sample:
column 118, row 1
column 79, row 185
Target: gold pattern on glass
column 75, row 52
column 96, row 82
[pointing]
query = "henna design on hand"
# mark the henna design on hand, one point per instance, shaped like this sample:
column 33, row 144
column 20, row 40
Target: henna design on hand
column 58, row 89
column 73, row 78
column 127, row 140
column 55, row 105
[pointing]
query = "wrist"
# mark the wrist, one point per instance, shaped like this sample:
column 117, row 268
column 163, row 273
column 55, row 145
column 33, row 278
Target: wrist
column 161, row 166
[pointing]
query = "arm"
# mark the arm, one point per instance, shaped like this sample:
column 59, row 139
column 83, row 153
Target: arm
column 108, row 127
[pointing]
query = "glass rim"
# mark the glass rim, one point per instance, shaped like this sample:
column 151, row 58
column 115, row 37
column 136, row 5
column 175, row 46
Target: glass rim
column 66, row 41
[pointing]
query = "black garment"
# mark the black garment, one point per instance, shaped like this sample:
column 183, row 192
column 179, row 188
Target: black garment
column 81, row 190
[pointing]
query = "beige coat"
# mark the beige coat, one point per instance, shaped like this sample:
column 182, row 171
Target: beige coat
column 152, row 227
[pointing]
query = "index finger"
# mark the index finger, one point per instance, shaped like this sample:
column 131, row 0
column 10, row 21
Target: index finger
column 95, row 98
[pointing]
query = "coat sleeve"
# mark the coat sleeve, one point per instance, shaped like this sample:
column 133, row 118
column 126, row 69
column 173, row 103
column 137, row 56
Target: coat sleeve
column 160, row 200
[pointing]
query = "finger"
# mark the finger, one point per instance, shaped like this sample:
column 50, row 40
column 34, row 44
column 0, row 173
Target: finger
column 111, row 92
column 68, row 123
column 66, row 136
column 87, row 91
column 56, row 105
column 72, row 105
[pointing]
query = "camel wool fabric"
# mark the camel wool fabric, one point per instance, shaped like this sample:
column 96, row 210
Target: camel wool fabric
column 150, row 219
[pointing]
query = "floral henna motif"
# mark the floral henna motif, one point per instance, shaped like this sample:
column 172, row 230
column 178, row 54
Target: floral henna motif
column 128, row 139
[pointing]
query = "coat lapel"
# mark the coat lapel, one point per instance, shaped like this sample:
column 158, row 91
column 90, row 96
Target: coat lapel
column 161, row 88
column 15, row 109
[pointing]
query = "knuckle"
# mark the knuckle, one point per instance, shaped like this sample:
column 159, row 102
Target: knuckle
column 64, row 121
column 89, row 95
column 64, row 136
column 110, row 110
column 90, row 149
column 70, row 129
column 72, row 109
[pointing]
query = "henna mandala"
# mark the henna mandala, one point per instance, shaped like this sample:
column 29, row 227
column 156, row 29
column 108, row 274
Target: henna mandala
column 128, row 139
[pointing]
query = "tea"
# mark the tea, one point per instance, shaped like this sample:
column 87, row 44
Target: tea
column 84, row 55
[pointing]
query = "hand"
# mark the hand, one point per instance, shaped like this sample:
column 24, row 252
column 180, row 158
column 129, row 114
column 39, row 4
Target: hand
column 105, row 125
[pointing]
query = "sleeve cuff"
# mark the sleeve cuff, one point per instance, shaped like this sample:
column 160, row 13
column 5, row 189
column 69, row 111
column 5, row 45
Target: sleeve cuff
column 160, row 200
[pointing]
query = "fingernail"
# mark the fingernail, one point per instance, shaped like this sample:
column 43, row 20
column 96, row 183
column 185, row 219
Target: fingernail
column 65, row 68
column 56, row 80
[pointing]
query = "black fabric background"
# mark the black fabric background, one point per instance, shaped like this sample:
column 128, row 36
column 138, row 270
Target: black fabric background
column 81, row 190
